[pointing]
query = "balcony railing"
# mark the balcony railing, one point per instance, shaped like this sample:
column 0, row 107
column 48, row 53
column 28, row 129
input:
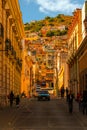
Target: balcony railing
column 10, row 48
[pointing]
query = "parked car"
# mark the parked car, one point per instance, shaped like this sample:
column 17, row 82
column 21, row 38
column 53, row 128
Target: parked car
column 43, row 95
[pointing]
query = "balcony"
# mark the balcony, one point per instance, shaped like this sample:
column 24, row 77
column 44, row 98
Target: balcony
column 9, row 49
column 7, row 45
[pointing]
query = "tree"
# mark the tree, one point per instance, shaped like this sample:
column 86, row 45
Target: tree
column 50, row 33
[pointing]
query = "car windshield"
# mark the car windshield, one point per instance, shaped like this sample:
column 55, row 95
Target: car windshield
column 43, row 92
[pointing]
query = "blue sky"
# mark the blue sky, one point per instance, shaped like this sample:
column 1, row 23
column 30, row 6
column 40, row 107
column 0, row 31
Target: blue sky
column 39, row 9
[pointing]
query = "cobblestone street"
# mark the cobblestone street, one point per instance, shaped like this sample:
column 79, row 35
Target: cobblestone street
column 42, row 115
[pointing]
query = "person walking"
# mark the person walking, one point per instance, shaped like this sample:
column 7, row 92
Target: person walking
column 70, row 102
column 17, row 100
column 11, row 98
column 67, row 91
column 62, row 92
column 84, row 102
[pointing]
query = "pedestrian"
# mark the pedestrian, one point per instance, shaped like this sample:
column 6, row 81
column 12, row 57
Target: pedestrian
column 84, row 102
column 17, row 100
column 62, row 91
column 11, row 98
column 67, row 94
column 80, row 103
column 70, row 101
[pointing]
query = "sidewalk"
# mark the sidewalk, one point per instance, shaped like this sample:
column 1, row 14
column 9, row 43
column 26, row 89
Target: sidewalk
column 8, row 114
column 76, row 113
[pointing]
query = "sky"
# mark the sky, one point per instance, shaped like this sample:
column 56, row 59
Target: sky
column 39, row 9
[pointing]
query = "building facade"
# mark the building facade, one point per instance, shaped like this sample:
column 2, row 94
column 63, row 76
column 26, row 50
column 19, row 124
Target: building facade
column 74, row 41
column 11, row 34
column 77, row 58
column 82, row 52
column 82, row 65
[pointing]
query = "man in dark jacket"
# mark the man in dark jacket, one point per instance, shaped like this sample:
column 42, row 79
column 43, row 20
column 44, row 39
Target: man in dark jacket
column 70, row 101
column 84, row 102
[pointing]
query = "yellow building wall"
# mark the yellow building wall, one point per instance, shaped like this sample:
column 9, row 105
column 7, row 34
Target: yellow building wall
column 83, row 62
column 10, row 48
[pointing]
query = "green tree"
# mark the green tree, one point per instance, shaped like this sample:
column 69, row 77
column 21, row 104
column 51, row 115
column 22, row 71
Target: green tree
column 47, row 17
column 57, row 32
column 50, row 33
column 50, row 19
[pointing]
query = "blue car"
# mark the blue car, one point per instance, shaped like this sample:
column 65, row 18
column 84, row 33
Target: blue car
column 43, row 95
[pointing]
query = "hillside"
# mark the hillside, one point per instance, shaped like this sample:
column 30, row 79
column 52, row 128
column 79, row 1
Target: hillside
column 50, row 26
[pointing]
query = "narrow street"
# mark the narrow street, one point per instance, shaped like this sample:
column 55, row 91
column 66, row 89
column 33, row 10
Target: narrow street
column 43, row 52
column 42, row 115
